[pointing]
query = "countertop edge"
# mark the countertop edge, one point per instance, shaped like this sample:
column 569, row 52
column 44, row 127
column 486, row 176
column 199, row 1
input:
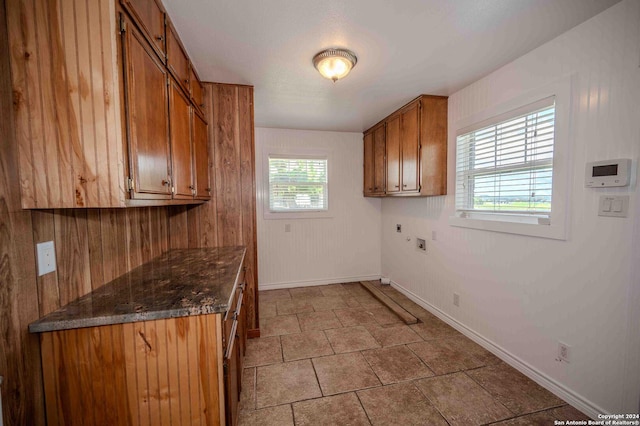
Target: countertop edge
column 222, row 307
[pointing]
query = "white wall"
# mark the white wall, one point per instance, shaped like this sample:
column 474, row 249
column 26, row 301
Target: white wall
column 345, row 247
column 523, row 294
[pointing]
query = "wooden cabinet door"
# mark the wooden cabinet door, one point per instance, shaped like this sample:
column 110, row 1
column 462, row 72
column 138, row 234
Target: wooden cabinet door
column 368, row 164
column 177, row 59
column 379, row 155
column 180, row 137
column 410, row 145
column 147, row 116
column 196, row 89
column 200, row 147
column 149, row 15
column 393, row 154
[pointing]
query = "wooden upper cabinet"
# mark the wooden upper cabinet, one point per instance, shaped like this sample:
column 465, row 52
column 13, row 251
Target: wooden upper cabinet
column 147, row 118
column 393, row 154
column 415, row 141
column 93, row 131
column 177, row 59
column 180, row 137
column 433, row 141
column 368, row 164
column 374, row 161
column 379, row 153
column 200, row 144
column 150, row 17
column 196, row 89
column 410, row 145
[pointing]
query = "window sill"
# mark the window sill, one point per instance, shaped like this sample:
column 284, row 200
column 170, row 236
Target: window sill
column 316, row 214
column 520, row 225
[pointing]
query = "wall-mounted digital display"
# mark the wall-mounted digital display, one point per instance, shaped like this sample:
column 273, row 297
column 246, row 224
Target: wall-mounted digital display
column 608, row 170
column 603, row 174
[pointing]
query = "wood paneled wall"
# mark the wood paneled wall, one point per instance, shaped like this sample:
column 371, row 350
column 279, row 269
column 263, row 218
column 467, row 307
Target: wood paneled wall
column 67, row 120
column 19, row 351
column 230, row 217
column 93, row 246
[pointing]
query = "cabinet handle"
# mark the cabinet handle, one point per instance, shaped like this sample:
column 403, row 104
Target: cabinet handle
column 370, row 188
column 166, row 182
column 186, row 81
column 404, row 186
column 191, row 187
column 398, row 186
column 202, row 106
column 160, row 38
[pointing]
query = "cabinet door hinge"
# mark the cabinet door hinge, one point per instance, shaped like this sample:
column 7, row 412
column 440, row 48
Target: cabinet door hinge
column 122, row 25
column 130, row 184
column 173, row 189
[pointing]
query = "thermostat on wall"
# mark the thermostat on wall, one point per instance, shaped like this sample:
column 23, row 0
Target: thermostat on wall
column 603, row 174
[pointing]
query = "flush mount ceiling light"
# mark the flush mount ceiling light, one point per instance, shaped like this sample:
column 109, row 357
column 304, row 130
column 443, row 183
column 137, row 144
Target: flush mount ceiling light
column 334, row 64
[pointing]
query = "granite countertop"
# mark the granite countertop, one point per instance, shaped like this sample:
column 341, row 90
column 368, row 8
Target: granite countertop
column 176, row 284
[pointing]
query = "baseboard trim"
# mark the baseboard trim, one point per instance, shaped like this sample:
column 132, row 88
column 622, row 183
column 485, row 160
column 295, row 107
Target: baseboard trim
column 254, row 333
column 324, row 281
column 581, row 403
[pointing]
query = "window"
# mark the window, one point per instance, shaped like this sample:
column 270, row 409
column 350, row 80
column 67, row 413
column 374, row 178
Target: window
column 504, row 168
column 298, row 184
column 513, row 164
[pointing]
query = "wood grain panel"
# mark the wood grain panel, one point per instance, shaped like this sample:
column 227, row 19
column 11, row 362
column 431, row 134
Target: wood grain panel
column 229, row 217
column 368, row 170
column 147, row 117
column 433, row 130
column 63, row 60
column 201, row 163
column 180, row 138
column 177, row 59
column 379, row 159
column 248, row 200
column 150, row 16
column 179, row 227
column 227, row 164
column 22, row 392
column 409, row 144
column 392, row 140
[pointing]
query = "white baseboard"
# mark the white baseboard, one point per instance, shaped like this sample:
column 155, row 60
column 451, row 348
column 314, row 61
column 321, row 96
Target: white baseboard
column 309, row 283
column 581, row 403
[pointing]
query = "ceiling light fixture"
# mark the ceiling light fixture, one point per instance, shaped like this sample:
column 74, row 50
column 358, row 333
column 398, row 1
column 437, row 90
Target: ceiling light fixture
column 334, row 64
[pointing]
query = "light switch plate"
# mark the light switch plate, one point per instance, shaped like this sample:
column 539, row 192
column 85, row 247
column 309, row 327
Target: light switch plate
column 613, row 205
column 46, row 257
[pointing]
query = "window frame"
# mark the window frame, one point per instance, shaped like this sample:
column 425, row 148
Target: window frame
column 554, row 225
column 298, row 153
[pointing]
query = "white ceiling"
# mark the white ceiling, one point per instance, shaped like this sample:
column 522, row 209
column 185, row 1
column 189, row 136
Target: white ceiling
column 404, row 48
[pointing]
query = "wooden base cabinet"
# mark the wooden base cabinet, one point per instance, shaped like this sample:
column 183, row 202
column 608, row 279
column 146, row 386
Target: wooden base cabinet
column 415, row 141
column 185, row 371
column 167, row 371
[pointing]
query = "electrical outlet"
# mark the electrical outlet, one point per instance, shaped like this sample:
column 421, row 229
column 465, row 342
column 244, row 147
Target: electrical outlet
column 564, row 352
column 46, row 257
column 398, row 228
column 421, row 244
column 456, row 299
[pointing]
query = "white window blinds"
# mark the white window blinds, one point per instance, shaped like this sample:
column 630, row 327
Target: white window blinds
column 505, row 165
column 297, row 184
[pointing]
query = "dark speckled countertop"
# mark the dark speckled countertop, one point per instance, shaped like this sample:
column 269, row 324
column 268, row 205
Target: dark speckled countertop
column 176, row 284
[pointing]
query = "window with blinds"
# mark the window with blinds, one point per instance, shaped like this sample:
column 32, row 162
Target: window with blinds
column 504, row 166
column 298, row 184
